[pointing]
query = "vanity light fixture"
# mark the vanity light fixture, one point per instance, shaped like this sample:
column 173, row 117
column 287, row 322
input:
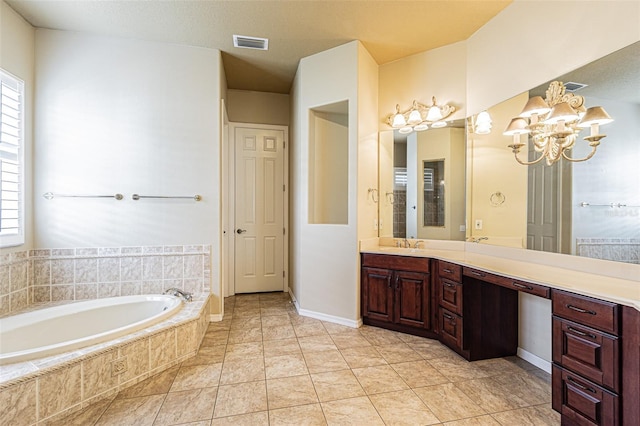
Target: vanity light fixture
column 483, row 124
column 419, row 117
column 555, row 123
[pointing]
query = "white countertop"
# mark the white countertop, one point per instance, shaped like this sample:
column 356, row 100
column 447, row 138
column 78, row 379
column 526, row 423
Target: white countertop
column 604, row 280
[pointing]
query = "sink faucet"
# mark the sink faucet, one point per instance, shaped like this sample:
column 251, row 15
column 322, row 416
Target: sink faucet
column 417, row 244
column 179, row 293
column 406, row 242
column 477, row 240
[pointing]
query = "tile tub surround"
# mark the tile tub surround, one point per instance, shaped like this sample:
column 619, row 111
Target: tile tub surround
column 47, row 275
column 41, row 391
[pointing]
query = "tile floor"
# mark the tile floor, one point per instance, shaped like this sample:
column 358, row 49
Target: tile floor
column 266, row 365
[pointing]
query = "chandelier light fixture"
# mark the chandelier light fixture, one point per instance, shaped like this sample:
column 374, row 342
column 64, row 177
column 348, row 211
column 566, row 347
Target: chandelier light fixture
column 555, row 123
column 420, row 117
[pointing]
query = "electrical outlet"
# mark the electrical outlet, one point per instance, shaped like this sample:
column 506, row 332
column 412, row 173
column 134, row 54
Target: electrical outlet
column 478, row 224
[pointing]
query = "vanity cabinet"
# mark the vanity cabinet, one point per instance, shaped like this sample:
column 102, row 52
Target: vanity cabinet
column 450, row 304
column 586, row 359
column 396, row 293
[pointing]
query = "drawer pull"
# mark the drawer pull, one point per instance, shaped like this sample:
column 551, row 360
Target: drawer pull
column 581, row 333
column 522, row 286
column 397, row 279
column 448, row 271
column 578, row 385
column 582, row 311
column 447, row 316
column 448, row 285
column 478, row 274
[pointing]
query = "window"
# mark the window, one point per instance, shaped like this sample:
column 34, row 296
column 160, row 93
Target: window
column 11, row 160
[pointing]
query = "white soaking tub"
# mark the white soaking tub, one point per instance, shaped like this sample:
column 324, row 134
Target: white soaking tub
column 64, row 328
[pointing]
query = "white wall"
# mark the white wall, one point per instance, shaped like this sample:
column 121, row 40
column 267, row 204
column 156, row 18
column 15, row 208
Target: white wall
column 17, row 56
column 324, row 268
column 126, row 116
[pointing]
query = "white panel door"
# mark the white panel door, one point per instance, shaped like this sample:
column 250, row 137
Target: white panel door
column 259, row 206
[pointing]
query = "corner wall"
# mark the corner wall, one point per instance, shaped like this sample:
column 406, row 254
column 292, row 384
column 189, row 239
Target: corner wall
column 17, row 56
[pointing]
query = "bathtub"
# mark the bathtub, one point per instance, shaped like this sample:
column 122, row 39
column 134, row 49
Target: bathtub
column 64, row 328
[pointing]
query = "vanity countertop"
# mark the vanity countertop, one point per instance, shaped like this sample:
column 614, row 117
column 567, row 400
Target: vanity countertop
column 514, row 264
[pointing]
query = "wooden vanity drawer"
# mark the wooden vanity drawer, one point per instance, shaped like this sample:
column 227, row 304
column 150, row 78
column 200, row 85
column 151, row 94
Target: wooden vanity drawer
column 450, row 295
column 450, row 271
column 523, row 286
column 450, row 328
column 398, row 263
column 588, row 352
column 595, row 313
column 582, row 402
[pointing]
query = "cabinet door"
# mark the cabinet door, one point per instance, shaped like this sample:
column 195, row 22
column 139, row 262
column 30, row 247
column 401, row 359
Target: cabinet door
column 377, row 294
column 412, row 299
column 450, row 329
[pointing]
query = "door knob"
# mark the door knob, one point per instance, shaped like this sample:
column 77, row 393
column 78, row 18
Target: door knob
column 241, row 231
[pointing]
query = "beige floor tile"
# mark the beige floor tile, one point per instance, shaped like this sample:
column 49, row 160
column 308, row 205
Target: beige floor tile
column 498, row 366
column 476, row 421
column 132, row 411
column 261, row 418
column 333, row 328
column 285, row 366
column 241, row 371
column 534, row 416
column 490, row 395
column 281, row 347
column 316, row 343
column 187, row 406
column 245, row 335
column 244, row 313
column 278, row 332
column 334, row 385
column 408, row 338
column 308, row 328
column 379, row 379
column 241, row 398
column 432, row 350
column 197, row 376
column 207, row 355
column 379, row 336
column 400, row 352
column 301, row 415
column 158, row 384
column 290, row 391
column 402, row 408
column 353, row 411
column 275, row 321
column 528, row 386
column 349, row 340
column 448, row 402
column 86, row 416
column 457, row 369
column 217, row 337
column 242, row 351
column 319, row 362
column 246, row 323
column 418, row 374
column 274, row 310
column 363, row 357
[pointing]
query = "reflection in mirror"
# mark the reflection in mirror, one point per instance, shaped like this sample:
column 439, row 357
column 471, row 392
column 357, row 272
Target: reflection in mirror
column 416, row 171
column 589, row 208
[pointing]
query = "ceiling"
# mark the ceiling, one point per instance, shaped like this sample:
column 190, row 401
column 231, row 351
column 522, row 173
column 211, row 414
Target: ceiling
column 389, row 30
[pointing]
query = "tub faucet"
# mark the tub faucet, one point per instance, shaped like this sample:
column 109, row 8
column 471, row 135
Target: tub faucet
column 179, row 293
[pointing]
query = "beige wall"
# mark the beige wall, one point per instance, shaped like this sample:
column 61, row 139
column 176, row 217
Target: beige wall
column 245, row 106
column 17, row 56
column 439, row 72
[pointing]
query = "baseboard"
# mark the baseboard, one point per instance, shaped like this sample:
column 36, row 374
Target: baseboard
column 535, row 360
column 215, row 317
column 324, row 317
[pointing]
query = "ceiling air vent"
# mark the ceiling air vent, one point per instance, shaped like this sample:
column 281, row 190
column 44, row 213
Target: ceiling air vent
column 247, row 42
column 574, row 87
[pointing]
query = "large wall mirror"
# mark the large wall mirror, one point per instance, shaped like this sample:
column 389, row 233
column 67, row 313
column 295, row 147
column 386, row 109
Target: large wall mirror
column 422, row 183
column 589, row 208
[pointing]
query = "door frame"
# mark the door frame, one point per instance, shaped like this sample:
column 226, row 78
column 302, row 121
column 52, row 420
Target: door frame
column 229, row 287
